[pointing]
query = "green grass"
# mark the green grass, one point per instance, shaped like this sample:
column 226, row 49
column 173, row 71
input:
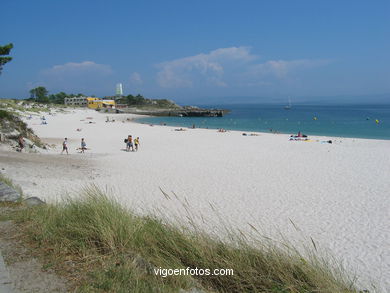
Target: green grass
column 5, row 115
column 9, row 103
column 19, row 105
column 6, row 208
column 116, row 251
column 10, row 183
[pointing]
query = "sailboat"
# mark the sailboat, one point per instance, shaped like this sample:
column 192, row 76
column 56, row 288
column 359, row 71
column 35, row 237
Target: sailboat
column 288, row 107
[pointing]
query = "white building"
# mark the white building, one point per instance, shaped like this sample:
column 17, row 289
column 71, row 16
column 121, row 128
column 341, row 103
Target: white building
column 119, row 90
column 76, row 101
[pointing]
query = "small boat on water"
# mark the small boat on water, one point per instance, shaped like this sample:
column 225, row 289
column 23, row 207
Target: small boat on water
column 288, row 107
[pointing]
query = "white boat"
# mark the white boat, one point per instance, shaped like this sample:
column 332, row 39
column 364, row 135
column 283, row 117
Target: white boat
column 288, row 107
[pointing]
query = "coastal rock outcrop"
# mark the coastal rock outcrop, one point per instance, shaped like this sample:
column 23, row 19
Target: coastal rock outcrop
column 33, row 201
column 9, row 194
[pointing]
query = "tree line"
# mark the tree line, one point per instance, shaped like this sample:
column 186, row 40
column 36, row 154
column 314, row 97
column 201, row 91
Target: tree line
column 139, row 100
column 41, row 95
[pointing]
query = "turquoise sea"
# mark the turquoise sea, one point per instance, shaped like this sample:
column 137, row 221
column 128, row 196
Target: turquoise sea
column 341, row 120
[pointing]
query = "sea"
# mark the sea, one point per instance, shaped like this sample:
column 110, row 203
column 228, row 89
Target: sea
column 360, row 121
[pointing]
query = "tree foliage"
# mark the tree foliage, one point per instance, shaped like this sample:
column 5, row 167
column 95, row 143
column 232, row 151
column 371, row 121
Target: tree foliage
column 58, row 98
column 5, row 50
column 39, row 94
column 139, row 100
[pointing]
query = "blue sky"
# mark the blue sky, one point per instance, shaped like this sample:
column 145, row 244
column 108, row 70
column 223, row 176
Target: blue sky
column 198, row 51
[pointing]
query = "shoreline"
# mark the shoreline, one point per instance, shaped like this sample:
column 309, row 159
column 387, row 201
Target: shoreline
column 139, row 121
column 349, row 128
column 334, row 193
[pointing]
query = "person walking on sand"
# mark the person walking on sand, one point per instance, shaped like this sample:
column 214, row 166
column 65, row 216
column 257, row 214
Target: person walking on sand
column 136, row 143
column 83, row 145
column 130, row 143
column 65, row 146
column 21, row 142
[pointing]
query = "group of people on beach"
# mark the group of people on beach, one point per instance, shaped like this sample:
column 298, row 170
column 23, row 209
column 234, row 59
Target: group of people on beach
column 132, row 143
column 82, row 148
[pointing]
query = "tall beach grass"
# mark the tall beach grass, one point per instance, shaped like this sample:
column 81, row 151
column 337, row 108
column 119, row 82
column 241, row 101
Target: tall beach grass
column 115, row 250
column 8, row 181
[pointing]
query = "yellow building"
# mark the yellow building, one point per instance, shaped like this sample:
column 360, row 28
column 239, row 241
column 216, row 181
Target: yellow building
column 96, row 103
column 93, row 103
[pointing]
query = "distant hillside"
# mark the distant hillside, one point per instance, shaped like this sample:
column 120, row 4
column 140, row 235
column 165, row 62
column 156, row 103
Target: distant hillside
column 140, row 102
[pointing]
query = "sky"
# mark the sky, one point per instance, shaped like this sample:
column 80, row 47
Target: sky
column 199, row 51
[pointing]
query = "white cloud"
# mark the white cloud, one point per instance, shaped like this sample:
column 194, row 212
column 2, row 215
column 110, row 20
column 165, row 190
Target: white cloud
column 135, row 78
column 232, row 53
column 79, row 68
column 201, row 68
column 228, row 67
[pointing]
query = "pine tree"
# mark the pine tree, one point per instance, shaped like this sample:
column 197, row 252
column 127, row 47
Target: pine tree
column 4, row 50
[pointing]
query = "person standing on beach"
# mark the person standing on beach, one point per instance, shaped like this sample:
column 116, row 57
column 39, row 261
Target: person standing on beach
column 65, row 146
column 136, row 143
column 130, row 143
column 83, row 145
column 21, row 142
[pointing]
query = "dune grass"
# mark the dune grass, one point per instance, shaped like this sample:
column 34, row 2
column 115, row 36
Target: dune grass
column 8, row 181
column 114, row 250
column 10, row 121
column 11, row 105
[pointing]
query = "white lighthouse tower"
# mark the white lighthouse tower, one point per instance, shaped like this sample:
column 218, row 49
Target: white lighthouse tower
column 119, row 91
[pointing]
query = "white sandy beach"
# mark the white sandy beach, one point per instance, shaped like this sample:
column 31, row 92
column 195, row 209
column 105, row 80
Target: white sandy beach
column 338, row 193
